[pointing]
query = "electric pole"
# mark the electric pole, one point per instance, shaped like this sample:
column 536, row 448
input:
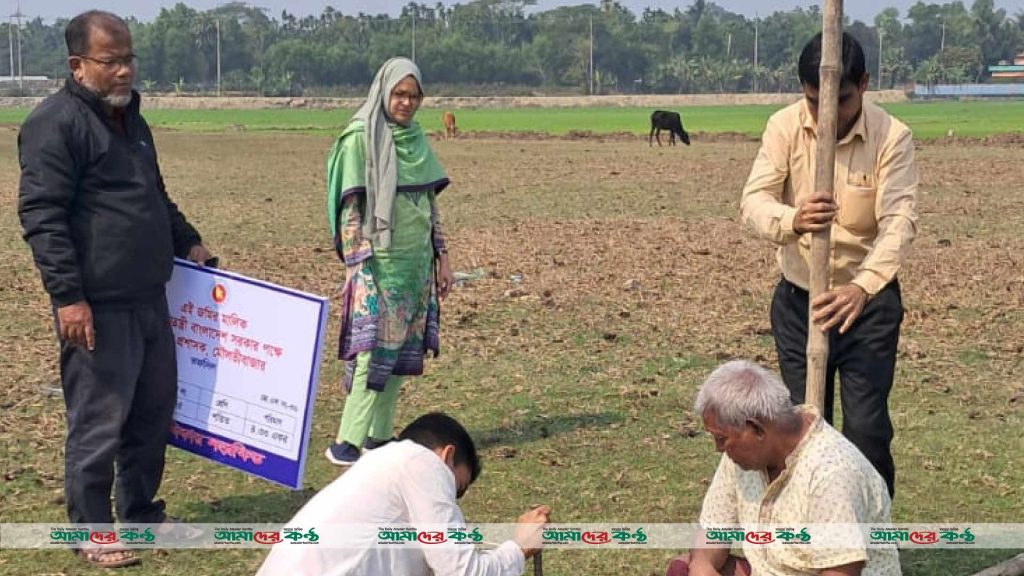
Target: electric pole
column 21, row 71
column 10, row 41
column 217, row 23
column 755, row 52
column 880, row 33
column 591, row 55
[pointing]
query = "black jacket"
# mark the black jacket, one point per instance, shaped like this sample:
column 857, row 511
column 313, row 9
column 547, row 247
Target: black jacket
column 93, row 205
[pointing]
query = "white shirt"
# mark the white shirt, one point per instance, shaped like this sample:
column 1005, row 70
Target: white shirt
column 400, row 484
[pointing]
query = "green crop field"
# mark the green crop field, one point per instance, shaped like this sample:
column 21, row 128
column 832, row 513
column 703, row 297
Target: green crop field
column 927, row 119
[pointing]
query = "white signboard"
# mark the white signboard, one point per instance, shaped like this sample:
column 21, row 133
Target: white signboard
column 248, row 355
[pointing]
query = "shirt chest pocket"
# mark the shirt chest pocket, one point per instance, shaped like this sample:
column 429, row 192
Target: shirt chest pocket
column 857, row 203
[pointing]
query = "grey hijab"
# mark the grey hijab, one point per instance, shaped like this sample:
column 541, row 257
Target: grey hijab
column 381, row 163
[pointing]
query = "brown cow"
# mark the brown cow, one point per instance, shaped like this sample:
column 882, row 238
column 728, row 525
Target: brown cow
column 449, row 125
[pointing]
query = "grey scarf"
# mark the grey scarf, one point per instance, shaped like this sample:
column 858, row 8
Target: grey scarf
column 381, row 163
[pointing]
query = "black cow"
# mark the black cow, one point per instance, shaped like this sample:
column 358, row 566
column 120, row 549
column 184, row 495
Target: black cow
column 663, row 120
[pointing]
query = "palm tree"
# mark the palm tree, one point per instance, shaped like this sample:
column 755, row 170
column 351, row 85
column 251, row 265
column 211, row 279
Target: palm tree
column 257, row 77
column 328, row 16
column 688, row 72
column 761, row 73
column 895, row 66
column 204, row 32
column 930, row 72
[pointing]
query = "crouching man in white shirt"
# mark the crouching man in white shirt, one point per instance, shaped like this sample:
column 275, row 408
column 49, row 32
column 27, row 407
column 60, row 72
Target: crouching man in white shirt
column 414, row 481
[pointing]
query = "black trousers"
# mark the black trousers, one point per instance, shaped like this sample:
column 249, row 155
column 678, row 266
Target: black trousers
column 865, row 358
column 120, row 400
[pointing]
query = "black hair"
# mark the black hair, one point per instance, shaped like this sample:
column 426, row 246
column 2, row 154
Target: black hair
column 76, row 34
column 853, row 70
column 437, row 430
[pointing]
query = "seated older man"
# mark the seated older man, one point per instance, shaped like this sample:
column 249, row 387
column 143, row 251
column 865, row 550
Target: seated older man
column 782, row 465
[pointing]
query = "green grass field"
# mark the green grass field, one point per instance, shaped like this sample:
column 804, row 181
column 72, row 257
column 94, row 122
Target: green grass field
column 635, row 279
column 927, row 119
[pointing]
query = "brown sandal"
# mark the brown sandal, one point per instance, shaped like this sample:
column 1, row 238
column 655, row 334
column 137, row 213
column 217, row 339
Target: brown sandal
column 108, row 558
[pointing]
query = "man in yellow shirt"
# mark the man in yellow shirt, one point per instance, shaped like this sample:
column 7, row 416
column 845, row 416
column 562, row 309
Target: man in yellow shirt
column 873, row 221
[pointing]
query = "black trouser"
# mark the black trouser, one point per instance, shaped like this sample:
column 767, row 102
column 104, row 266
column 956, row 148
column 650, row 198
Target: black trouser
column 865, row 357
column 120, row 400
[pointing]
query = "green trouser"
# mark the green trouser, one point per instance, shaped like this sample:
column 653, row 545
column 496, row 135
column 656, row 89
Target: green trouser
column 368, row 412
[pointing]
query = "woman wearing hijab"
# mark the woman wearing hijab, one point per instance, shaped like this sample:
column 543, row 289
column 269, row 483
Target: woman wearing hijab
column 382, row 184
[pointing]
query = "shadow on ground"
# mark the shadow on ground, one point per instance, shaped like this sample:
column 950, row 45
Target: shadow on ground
column 539, row 427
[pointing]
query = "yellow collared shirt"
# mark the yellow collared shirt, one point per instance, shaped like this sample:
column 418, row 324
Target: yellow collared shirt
column 875, row 189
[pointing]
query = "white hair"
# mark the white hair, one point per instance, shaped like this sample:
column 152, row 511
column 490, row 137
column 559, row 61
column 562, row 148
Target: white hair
column 112, row 100
column 118, row 100
column 739, row 391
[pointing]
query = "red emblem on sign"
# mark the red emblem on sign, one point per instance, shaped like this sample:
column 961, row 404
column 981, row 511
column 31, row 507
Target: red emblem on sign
column 765, row 537
column 103, row 537
column 596, row 537
column 431, row 537
column 924, row 537
column 267, row 537
column 219, row 294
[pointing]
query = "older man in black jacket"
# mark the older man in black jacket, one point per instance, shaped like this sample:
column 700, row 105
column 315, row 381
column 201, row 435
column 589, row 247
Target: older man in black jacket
column 104, row 233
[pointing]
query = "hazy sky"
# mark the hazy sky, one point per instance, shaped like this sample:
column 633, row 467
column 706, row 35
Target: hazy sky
column 147, row 9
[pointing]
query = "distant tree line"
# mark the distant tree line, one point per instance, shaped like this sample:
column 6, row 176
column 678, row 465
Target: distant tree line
column 604, row 49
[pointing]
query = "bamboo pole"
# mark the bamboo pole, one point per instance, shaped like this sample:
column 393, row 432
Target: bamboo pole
column 824, row 181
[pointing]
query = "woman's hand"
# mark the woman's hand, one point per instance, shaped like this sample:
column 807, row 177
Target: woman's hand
column 445, row 279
